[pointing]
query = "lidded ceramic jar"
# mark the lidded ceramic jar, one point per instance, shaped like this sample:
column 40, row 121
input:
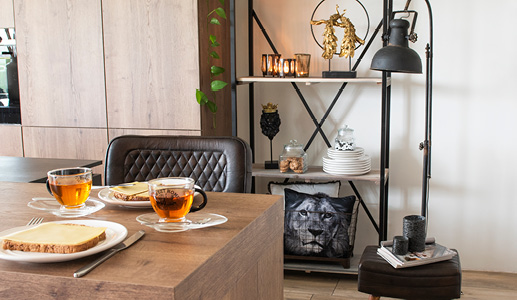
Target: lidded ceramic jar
column 345, row 139
column 293, row 158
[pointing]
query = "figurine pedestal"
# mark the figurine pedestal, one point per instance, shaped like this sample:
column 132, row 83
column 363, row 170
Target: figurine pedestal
column 339, row 74
column 268, row 164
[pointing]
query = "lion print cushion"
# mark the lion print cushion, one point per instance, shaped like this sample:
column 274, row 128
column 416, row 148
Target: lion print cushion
column 317, row 225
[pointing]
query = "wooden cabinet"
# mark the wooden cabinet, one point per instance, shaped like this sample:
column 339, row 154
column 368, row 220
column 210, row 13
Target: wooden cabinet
column 92, row 70
column 152, row 67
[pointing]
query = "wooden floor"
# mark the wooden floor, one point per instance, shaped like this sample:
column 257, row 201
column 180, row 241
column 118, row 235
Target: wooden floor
column 299, row 285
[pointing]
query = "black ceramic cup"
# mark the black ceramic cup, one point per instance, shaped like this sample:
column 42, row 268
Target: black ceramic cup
column 400, row 245
column 414, row 230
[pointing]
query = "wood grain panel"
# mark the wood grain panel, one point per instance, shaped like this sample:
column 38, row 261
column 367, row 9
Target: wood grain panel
column 152, row 67
column 113, row 133
column 6, row 14
column 60, row 61
column 82, row 143
column 223, row 118
column 258, row 238
column 270, row 269
column 13, row 134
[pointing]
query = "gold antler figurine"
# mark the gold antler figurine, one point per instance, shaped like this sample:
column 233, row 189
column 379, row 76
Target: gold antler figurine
column 330, row 39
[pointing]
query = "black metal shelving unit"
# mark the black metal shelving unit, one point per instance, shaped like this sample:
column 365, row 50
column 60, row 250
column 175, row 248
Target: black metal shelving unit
column 384, row 81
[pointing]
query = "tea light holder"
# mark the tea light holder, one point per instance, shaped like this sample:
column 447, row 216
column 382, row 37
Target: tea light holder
column 286, row 67
column 303, row 62
column 270, row 64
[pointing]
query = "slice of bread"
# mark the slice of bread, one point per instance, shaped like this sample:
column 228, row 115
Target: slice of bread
column 136, row 192
column 55, row 238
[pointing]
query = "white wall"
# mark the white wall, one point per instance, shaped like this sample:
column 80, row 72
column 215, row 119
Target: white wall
column 472, row 204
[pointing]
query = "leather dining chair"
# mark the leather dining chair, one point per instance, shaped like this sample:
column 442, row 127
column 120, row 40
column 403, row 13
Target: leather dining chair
column 218, row 164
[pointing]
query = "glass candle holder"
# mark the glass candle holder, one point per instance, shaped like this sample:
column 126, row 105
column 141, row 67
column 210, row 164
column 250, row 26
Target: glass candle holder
column 303, row 62
column 269, row 64
column 286, row 67
column 292, row 67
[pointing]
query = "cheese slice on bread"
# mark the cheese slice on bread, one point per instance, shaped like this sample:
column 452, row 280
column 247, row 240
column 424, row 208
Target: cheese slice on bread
column 55, row 238
column 138, row 191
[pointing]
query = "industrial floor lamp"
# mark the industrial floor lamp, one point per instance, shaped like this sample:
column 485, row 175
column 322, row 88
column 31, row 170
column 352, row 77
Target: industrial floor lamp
column 398, row 57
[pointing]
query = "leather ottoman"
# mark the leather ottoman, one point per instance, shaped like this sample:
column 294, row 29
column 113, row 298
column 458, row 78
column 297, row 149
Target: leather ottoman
column 441, row 280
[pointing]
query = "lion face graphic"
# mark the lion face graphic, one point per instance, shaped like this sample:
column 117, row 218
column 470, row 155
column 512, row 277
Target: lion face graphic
column 316, row 225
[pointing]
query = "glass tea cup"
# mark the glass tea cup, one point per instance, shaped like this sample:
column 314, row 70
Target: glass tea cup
column 172, row 198
column 70, row 186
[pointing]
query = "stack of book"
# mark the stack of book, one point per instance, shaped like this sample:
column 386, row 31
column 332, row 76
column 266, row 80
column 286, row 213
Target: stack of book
column 433, row 253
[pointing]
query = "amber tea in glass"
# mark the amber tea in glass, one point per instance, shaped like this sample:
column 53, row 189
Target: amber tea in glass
column 172, row 198
column 70, row 186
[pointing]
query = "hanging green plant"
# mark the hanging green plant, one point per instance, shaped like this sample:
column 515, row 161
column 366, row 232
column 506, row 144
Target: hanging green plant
column 215, row 84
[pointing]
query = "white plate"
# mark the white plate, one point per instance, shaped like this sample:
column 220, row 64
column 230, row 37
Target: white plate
column 115, row 233
column 346, row 165
column 347, row 160
column 194, row 221
column 345, row 153
column 51, row 205
column 346, row 172
column 106, row 195
column 356, row 150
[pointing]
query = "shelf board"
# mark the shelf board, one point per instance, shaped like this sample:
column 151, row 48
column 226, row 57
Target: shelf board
column 308, row 80
column 315, row 266
column 316, row 173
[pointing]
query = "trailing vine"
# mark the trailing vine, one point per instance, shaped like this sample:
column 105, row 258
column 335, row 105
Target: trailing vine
column 216, row 85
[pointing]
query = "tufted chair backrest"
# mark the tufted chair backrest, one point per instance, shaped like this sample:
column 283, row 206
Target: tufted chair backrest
column 218, row 164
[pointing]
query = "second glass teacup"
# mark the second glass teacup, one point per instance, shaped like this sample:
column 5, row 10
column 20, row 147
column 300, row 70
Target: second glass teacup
column 70, row 186
column 172, row 198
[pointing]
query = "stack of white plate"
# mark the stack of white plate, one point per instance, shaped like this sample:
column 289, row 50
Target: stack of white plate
column 346, row 162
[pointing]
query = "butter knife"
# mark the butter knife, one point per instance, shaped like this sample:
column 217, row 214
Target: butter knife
column 128, row 242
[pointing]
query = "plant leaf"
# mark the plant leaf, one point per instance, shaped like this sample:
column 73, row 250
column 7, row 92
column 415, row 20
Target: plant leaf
column 215, row 21
column 222, row 2
column 201, row 98
column 214, row 54
column 217, row 85
column 220, row 11
column 212, row 106
column 212, row 38
column 215, row 70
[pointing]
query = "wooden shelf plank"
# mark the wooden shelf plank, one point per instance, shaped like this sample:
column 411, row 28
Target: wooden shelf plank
column 316, row 173
column 308, row 80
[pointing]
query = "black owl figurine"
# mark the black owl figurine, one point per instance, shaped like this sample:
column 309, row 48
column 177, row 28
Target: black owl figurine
column 270, row 125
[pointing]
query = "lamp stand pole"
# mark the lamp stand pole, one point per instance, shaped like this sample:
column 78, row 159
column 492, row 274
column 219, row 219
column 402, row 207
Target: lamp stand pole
column 426, row 144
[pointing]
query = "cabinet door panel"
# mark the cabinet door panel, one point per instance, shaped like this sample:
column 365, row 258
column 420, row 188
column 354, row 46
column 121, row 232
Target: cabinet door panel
column 6, row 14
column 152, row 67
column 12, row 134
column 80, row 143
column 113, row 133
column 60, row 61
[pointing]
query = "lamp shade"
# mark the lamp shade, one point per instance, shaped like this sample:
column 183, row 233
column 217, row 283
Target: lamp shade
column 397, row 56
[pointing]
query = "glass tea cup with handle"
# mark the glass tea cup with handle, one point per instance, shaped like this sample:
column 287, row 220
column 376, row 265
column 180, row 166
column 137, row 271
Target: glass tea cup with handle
column 70, row 186
column 172, row 198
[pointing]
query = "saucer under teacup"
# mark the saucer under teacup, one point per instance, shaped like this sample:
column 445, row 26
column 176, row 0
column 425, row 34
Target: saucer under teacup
column 193, row 221
column 51, row 205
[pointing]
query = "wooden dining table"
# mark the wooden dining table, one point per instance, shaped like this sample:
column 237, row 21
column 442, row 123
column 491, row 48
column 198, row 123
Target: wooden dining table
column 239, row 259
